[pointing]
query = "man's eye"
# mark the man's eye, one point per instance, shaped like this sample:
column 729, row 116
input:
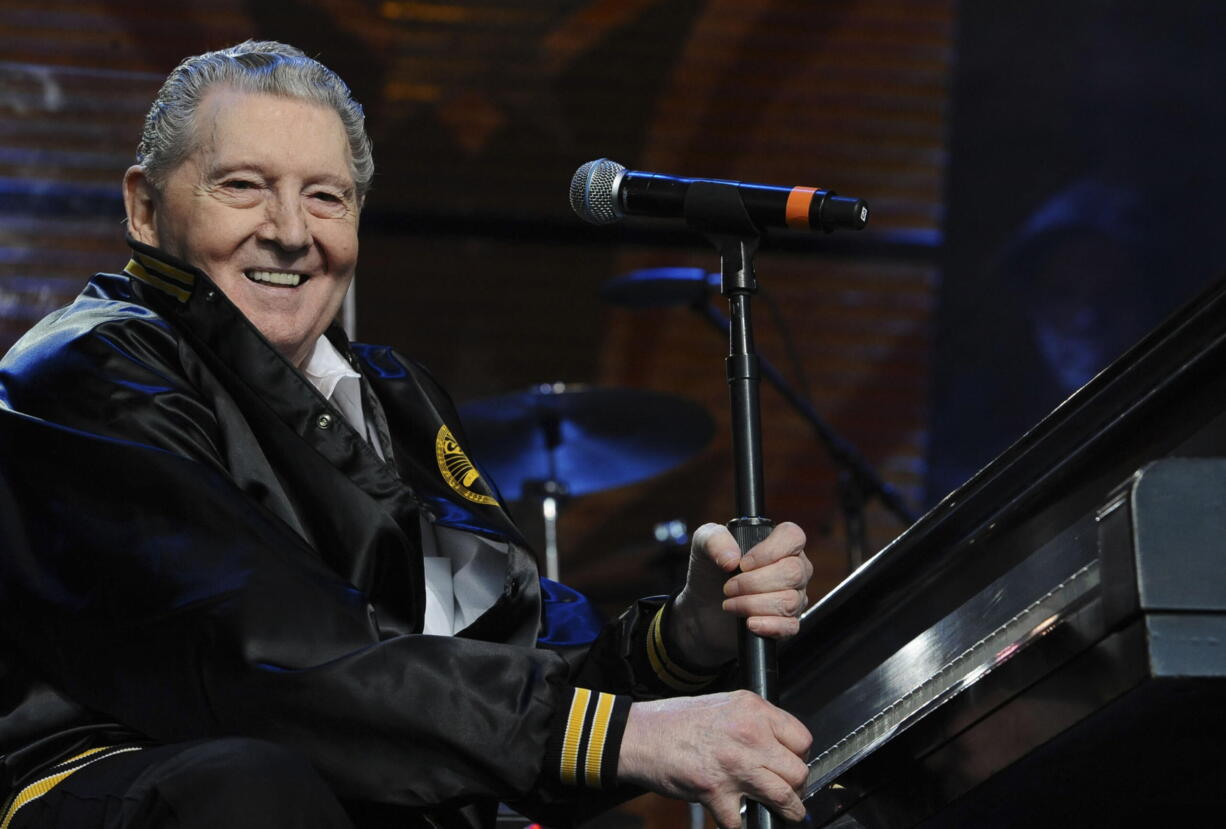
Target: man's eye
column 328, row 197
column 239, row 184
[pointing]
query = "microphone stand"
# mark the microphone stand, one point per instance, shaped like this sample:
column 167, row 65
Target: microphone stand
column 857, row 481
column 716, row 209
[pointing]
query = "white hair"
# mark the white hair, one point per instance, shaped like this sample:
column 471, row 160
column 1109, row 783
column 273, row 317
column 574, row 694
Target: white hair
column 263, row 66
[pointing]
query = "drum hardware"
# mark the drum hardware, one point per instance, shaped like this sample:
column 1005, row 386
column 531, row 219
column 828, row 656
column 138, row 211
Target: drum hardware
column 558, row 441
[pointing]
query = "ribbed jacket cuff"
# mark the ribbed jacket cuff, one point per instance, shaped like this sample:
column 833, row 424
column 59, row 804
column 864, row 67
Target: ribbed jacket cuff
column 670, row 667
column 586, row 739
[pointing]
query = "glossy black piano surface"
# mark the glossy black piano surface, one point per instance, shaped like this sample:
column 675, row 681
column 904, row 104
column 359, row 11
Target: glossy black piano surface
column 1047, row 647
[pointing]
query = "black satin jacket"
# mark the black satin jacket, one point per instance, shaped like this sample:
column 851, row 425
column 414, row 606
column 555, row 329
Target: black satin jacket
column 198, row 544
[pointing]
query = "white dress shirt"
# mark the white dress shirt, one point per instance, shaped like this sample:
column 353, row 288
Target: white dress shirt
column 457, row 591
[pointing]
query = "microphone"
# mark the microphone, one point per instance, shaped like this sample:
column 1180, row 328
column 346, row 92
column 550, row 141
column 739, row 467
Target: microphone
column 603, row 191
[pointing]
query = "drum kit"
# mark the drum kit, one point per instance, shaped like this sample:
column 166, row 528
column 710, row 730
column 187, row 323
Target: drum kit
column 557, row 441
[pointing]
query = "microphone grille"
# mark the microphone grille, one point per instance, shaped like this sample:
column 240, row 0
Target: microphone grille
column 592, row 193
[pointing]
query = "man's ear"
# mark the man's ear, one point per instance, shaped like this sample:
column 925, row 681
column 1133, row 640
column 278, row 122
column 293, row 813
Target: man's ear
column 140, row 200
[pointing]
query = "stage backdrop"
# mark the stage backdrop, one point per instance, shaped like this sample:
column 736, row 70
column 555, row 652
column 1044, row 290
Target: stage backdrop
column 471, row 261
column 1082, row 206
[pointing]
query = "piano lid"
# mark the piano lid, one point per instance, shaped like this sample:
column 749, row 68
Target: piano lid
column 917, row 674
column 1050, row 457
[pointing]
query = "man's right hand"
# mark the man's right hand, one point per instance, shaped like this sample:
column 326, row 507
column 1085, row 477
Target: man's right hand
column 714, row 749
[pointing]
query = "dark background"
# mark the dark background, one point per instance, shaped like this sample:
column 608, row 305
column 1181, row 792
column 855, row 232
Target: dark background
column 471, row 260
column 1082, row 204
column 1044, row 178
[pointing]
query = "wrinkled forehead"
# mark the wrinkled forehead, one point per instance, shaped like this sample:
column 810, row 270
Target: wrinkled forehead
column 230, row 120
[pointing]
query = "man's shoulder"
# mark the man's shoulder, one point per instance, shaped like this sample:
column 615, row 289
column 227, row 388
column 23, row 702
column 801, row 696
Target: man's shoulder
column 106, row 329
column 106, row 304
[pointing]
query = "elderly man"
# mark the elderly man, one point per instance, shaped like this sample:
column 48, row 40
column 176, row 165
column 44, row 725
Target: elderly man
column 275, row 603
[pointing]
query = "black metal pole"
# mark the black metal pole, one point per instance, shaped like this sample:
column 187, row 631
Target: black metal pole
column 716, row 209
column 857, row 481
column 759, row 665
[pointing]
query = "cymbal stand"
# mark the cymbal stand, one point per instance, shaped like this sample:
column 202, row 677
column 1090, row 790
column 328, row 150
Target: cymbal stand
column 551, row 491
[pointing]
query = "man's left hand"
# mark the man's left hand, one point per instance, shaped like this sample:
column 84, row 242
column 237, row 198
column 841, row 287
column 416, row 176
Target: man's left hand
column 769, row 592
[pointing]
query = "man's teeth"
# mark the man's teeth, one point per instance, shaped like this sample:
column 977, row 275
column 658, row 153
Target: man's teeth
column 275, row 278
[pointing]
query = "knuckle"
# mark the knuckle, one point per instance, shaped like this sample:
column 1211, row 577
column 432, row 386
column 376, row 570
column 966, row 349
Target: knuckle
column 744, row 731
column 793, row 533
column 751, row 702
column 774, row 792
column 703, row 534
column 778, row 791
column 706, row 786
column 796, row 773
column 743, row 696
column 796, row 569
column 727, row 815
column 796, row 602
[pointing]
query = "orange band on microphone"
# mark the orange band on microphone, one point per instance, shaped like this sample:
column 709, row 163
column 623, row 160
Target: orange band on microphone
column 797, row 211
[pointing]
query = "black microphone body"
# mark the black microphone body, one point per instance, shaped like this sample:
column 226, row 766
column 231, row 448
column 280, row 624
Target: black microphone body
column 603, row 191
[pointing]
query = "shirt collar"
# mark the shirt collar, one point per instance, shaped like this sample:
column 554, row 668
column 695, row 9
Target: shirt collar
column 326, row 368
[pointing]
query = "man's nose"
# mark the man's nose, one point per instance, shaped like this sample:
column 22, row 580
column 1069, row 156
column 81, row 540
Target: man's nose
column 286, row 224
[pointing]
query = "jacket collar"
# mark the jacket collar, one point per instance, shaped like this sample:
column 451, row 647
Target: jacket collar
column 161, row 271
column 252, row 369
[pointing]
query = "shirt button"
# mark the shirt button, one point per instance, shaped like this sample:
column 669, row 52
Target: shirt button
column 324, row 421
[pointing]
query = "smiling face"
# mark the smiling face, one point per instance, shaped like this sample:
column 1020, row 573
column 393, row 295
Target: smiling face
column 265, row 204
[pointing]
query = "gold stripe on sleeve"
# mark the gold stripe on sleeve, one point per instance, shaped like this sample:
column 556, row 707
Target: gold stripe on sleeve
column 43, row 785
column 595, row 744
column 669, row 672
column 569, row 772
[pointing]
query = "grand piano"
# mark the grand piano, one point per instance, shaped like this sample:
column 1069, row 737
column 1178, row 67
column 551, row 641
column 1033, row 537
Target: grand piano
column 1047, row 646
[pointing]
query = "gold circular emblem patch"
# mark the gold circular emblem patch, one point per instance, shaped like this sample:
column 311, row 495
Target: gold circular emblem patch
column 457, row 470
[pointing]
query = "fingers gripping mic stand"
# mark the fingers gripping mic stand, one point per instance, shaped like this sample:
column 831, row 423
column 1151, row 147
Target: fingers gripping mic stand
column 715, row 209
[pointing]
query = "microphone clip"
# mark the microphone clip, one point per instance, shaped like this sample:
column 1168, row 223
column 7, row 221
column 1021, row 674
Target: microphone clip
column 715, row 208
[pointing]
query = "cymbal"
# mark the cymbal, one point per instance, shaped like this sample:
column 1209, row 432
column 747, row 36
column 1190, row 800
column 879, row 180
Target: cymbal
column 585, row 438
column 661, row 287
